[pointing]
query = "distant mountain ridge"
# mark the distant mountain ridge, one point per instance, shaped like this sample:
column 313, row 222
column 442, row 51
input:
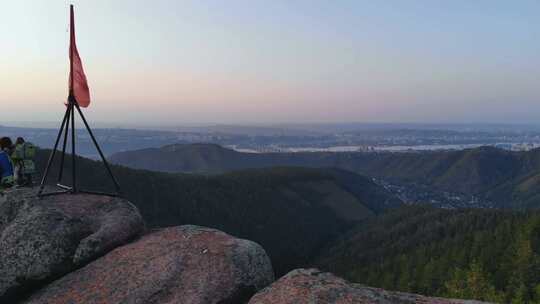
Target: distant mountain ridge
column 510, row 179
column 195, row 158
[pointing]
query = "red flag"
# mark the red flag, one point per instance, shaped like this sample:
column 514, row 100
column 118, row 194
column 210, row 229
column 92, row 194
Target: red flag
column 78, row 86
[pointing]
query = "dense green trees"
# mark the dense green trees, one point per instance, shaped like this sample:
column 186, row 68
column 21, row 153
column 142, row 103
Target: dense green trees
column 472, row 284
column 486, row 254
column 482, row 254
column 291, row 212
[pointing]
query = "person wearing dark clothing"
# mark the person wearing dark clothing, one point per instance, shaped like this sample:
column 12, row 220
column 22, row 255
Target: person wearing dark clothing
column 6, row 144
column 6, row 166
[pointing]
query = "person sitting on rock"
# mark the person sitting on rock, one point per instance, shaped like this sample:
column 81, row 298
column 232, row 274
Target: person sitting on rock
column 6, row 166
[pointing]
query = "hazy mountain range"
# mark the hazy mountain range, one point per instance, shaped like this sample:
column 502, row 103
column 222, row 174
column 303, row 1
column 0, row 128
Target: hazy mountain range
column 509, row 179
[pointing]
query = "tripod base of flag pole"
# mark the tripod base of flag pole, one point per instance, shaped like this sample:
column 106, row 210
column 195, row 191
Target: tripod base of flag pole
column 69, row 190
column 69, row 119
column 53, row 193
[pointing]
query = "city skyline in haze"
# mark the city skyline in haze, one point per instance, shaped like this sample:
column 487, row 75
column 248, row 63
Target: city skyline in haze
column 245, row 62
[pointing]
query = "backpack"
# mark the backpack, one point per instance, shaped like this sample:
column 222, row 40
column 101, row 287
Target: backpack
column 23, row 155
column 25, row 151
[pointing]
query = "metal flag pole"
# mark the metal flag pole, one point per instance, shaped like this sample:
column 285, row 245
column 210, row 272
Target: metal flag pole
column 71, row 98
column 69, row 117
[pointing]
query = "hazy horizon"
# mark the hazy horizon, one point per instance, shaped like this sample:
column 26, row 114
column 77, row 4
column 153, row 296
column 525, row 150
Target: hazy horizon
column 322, row 126
column 272, row 62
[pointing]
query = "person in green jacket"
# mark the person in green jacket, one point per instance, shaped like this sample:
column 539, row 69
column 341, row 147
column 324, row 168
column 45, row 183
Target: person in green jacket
column 23, row 158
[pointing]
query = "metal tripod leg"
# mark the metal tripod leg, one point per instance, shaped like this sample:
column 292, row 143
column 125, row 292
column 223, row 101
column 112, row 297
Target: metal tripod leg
column 53, row 152
column 117, row 186
column 73, row 155
column 61, row 172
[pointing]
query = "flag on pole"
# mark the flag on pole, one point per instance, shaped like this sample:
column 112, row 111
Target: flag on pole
column 78, row 86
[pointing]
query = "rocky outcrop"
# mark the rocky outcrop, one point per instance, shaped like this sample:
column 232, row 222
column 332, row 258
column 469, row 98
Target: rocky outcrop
column 185, row 264
column 313, row 286
column 78, row 245
column 43, row 239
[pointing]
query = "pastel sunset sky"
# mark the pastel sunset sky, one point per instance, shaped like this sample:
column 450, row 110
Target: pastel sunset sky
column 243, row 62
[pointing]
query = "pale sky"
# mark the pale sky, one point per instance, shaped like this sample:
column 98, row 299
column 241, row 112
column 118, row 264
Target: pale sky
column 242, row 62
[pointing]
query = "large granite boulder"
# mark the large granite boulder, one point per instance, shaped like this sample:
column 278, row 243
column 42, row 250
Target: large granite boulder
column 185, row 264
column 311, row 286
column 42, row 239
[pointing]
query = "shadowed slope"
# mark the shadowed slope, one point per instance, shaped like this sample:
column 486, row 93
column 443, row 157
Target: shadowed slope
column 276, row 207
column 504, row 177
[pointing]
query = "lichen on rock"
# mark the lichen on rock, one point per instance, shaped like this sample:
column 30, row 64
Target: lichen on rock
column 42, row 239
column 184, row 264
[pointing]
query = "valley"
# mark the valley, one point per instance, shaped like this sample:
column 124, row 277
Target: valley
column 291, row 211
column 413, row 222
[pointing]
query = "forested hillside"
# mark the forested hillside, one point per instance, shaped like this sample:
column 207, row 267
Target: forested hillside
column 292, row 212
column 470, row 253
column 336, row 220
column 509, row 179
